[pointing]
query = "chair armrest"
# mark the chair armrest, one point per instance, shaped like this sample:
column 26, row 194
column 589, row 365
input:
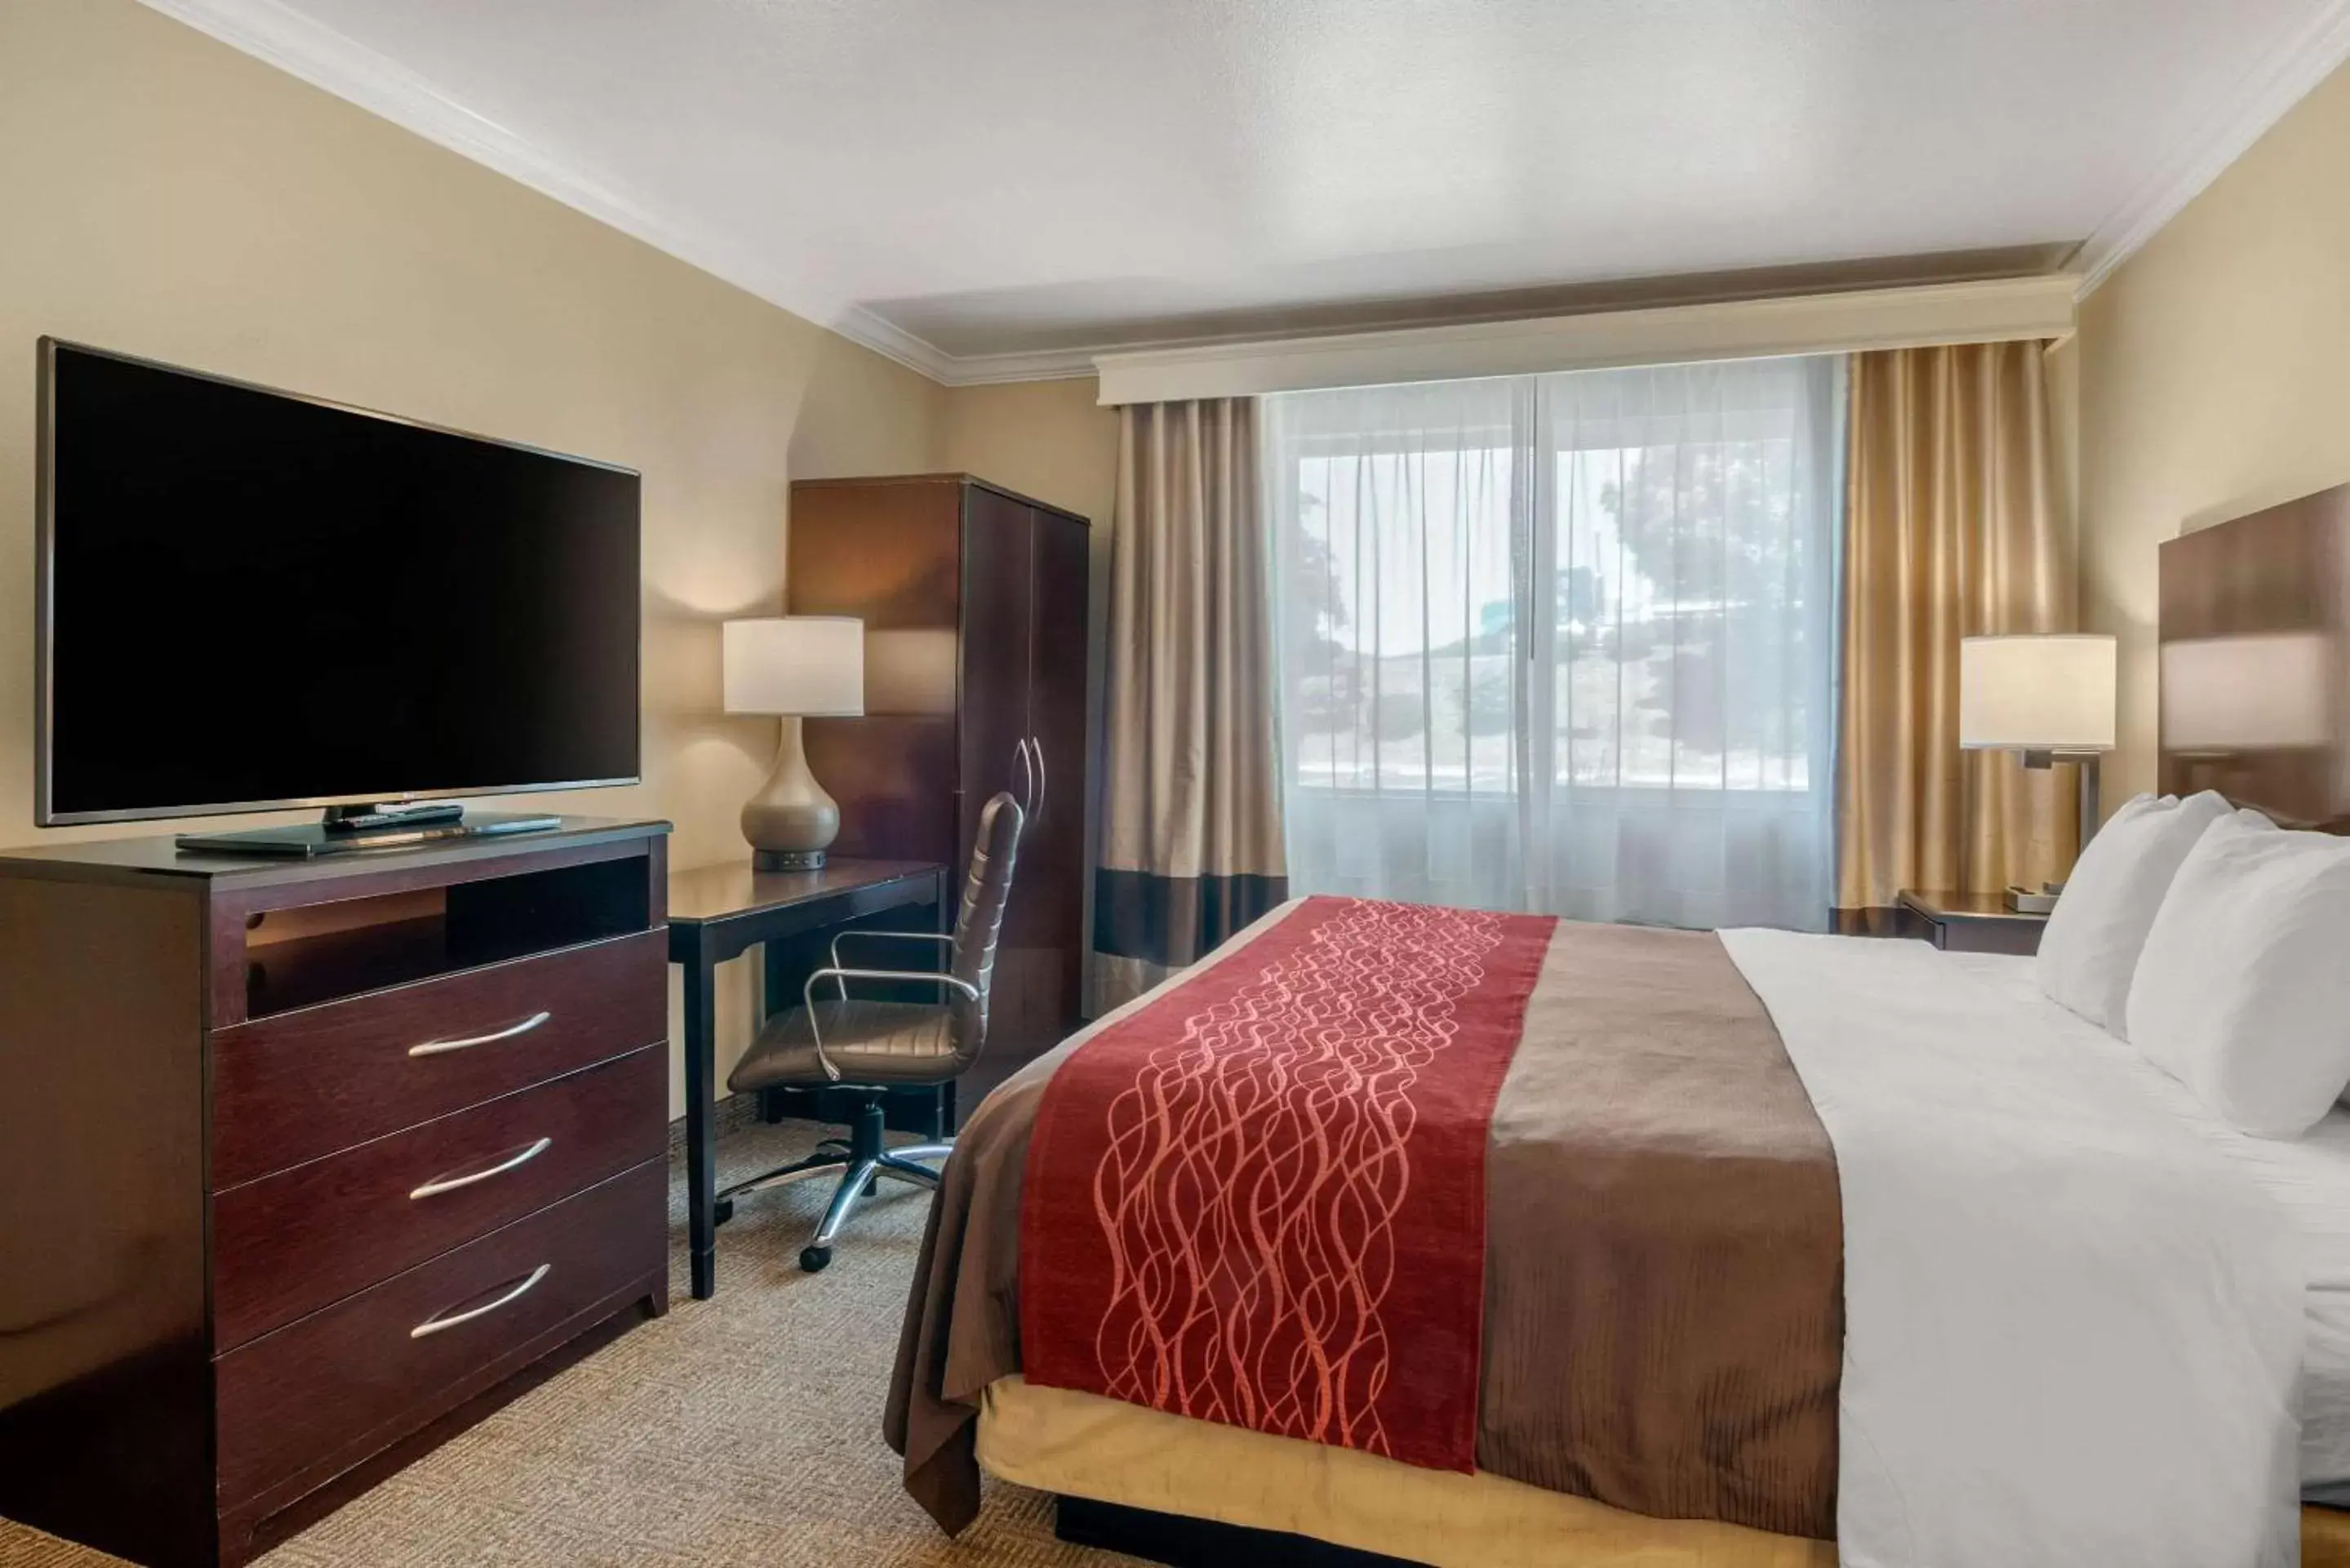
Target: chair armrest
column 938, row 937
column 841, row 977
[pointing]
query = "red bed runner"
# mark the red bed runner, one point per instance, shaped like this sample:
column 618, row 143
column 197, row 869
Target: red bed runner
column 1260, row 1198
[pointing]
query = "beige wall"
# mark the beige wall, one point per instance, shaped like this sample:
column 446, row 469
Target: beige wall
column 170, row 197
column 2214, row 379
column 1046, row 439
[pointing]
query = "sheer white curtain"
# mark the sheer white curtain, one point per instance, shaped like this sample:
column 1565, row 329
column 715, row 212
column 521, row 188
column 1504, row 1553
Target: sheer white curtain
column 1563, row 643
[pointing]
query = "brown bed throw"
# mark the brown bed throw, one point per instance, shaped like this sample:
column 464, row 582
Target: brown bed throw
column 1663, row 1323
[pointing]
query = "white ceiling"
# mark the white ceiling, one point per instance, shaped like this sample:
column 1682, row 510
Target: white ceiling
column 984, row 188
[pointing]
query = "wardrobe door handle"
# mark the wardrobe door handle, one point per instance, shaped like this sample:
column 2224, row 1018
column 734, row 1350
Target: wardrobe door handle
column 432, row 1325
column 442, row 1047
column 1037, row 748
column 454, row 1183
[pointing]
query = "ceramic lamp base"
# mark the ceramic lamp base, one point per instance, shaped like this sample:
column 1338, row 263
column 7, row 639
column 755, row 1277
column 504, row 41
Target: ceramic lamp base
column 791, row 822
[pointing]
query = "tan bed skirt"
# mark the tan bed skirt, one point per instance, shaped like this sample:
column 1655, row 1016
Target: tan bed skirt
column 1085, row 1446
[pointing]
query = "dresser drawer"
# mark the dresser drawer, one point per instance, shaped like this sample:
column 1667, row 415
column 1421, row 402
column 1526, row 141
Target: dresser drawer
column 293, row 1242
column 320, row 1395
column 292, row 1087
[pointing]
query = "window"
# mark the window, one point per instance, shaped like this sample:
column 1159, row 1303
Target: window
column 1563, row 643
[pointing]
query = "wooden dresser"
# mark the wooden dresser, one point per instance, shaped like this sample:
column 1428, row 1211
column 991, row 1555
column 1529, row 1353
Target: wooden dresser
column 305, row 1165
column 974, row 601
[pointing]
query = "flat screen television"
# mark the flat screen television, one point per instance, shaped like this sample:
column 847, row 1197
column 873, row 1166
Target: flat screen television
column 250, row 599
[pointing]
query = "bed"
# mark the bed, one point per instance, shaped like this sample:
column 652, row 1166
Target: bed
column 1786, row 1246
column 962, row 1402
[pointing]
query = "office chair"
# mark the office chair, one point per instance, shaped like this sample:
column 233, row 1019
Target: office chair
column 866, row 1048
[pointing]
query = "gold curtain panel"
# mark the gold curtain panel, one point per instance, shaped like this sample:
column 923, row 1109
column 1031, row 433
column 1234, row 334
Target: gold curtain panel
column 1951, row 530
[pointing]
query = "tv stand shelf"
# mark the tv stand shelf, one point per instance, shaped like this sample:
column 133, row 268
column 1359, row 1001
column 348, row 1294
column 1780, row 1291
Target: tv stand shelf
column 303, row 971
column 275, row 1106
column 305, row 954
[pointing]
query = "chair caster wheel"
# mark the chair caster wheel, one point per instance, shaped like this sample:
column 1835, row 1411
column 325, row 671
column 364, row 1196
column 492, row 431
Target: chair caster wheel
column 721, row 1212
column 815, row 1260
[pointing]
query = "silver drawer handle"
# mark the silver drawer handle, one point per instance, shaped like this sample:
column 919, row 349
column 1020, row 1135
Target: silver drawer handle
column 442, row 1047
column 451, row 1183
column 432, row 1325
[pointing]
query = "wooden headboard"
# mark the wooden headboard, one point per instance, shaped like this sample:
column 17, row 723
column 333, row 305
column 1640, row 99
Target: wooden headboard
column 2254, row 636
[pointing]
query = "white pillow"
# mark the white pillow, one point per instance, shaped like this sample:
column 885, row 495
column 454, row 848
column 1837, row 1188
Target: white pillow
column 2242, row 992
column 2088, row 949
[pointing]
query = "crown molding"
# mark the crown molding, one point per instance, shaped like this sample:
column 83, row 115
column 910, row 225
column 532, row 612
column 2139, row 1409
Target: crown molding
column 2036, row 308
column 2306, row 55
column 885, row 338
column 1046, row 365
column 281, row 36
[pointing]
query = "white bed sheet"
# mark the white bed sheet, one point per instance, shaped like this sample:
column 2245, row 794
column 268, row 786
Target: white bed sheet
column 2073, row 1328
column 2309, row 1178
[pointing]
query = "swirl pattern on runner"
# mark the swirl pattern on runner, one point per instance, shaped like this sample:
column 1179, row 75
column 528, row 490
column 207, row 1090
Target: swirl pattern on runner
column 1254, row 1169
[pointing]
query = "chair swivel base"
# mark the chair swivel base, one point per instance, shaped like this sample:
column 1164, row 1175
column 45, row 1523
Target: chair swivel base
column 862, row 1159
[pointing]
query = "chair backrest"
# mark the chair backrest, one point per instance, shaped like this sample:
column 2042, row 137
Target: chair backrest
column 986, row 888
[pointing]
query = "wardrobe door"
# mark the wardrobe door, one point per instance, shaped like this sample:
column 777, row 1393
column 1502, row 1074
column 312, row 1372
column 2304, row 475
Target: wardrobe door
column 1056, row 706
column 997, row 614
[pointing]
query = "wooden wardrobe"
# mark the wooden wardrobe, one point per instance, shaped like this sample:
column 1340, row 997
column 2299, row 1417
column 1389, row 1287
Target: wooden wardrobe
column 974, row 601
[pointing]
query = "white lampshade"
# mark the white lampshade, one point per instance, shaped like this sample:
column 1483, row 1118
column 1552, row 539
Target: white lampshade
column 809, row 665
column 2045, row 693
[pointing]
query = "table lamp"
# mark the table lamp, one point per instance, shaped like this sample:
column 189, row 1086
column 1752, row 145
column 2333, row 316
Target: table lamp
column 794, row 667
column 2049, row 697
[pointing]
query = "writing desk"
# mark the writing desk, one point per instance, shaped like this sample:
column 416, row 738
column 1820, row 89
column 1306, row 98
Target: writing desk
column 719, row 913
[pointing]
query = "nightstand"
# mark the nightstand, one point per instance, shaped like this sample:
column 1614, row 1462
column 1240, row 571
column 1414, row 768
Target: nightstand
column 1969, row 922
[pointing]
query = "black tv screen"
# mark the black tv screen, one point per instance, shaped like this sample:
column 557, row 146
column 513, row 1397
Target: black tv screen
column 250, row 599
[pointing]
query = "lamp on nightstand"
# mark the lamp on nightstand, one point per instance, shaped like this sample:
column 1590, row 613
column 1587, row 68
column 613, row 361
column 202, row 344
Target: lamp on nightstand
column 2049, row 697
column 794, row 667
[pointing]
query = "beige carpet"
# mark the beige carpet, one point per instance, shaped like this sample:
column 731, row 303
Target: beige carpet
column 739, row 1431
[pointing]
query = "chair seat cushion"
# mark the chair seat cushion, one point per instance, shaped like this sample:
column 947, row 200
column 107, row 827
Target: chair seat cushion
column 869, row 1042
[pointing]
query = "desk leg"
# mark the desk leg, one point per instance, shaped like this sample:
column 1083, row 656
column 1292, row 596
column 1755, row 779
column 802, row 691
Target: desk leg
column 701, row 1134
